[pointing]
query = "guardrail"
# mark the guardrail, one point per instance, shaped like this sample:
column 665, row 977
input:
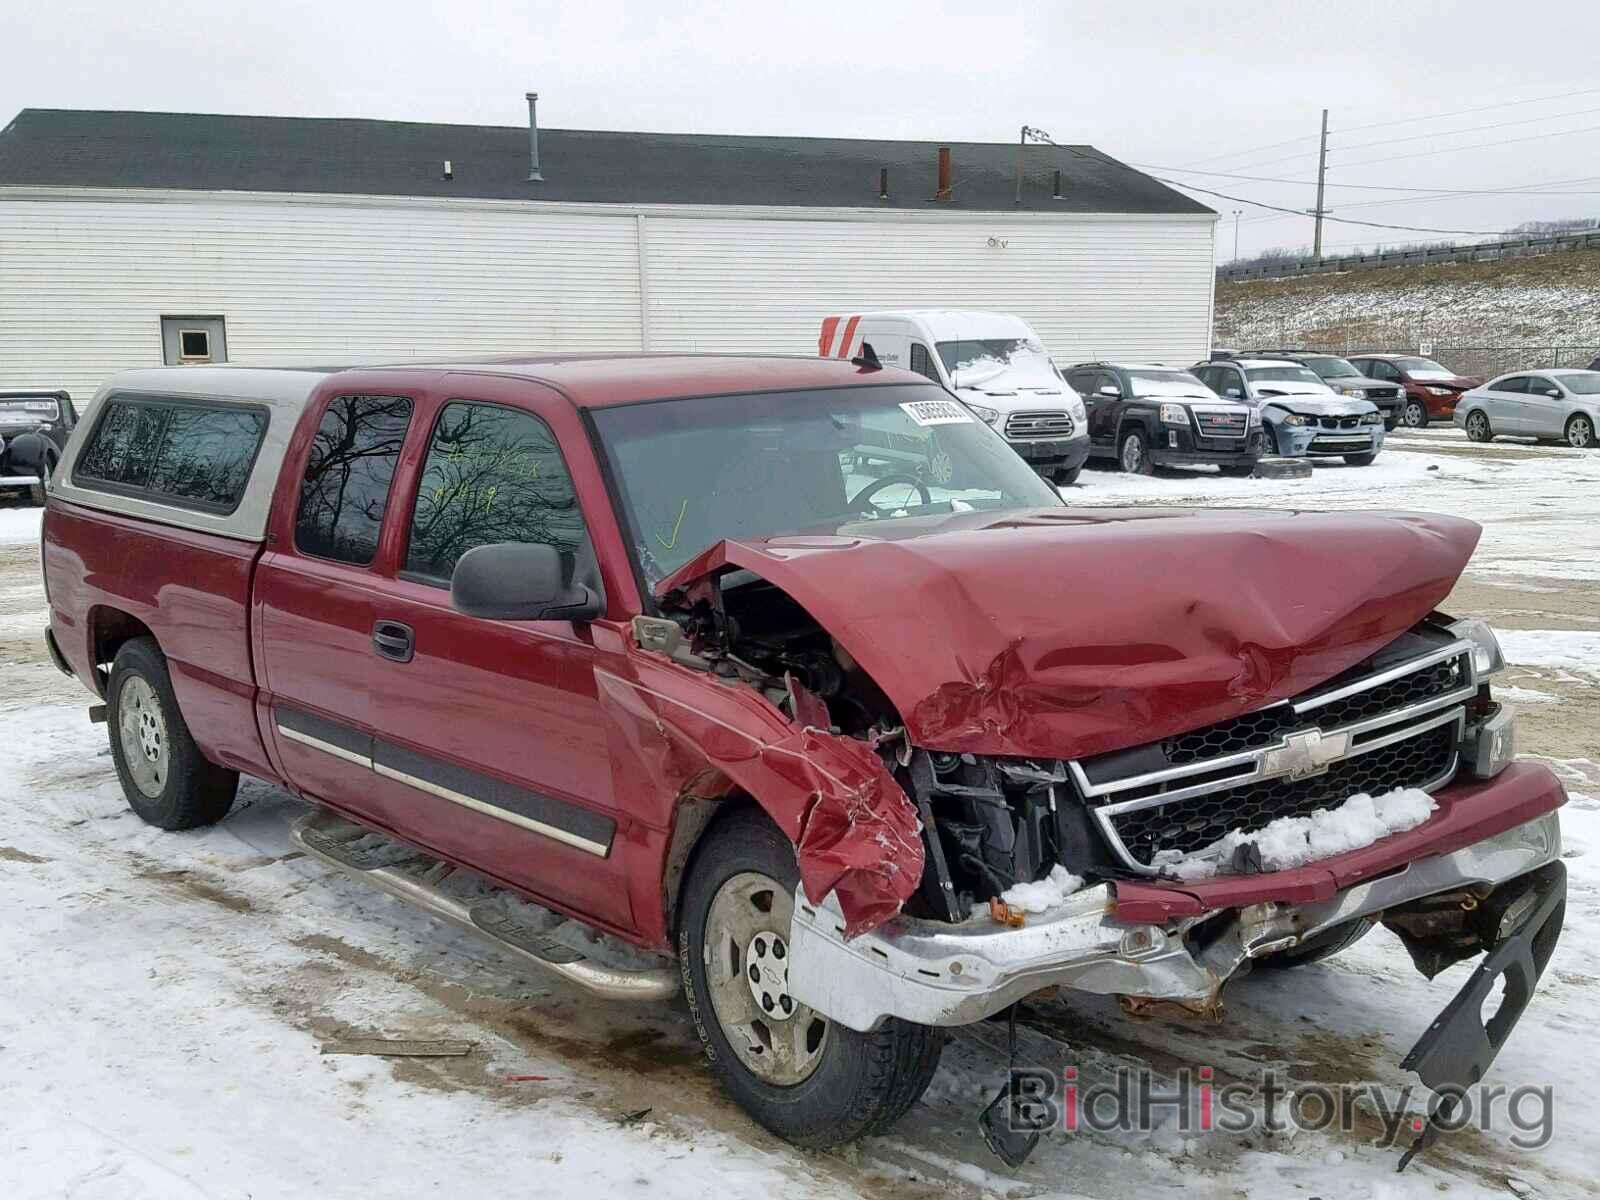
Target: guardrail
column 1480, row 252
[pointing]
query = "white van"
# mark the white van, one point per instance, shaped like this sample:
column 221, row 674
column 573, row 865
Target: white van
column 993, row 361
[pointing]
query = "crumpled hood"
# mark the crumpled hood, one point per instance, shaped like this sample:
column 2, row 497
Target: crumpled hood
column 1058, row 633
column 1323, row 406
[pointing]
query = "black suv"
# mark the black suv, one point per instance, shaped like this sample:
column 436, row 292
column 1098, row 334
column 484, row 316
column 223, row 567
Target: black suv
column 33, row 430
column 1342, row 376
column 1147, row 416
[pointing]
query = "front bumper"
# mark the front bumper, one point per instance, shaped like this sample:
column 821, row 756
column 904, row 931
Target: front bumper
column 1054, row 454
column 1312, row 441
column 1178, row 446
column 940, row 974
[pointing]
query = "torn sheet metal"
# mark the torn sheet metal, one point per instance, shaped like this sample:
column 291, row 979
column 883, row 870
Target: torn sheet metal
column 856, row 832
column 1065, row 633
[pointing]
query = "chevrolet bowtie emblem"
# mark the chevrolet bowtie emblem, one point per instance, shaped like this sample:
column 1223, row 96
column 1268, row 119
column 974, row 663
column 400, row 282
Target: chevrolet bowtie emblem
column 1305, row 754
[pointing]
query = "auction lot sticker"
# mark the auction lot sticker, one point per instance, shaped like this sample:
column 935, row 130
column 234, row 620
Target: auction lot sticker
column 937, row 412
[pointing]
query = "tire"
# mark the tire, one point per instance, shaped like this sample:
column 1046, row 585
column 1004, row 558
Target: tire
column 1414, row 415
column 851, row 1084
column 1580, row 432
column 168, row 782
column 1361, row 460
column 1324, row 945
column 1477, row 426
column 1066, row 476
column 1133, row 453
column 1238, row 472
column 36, row 491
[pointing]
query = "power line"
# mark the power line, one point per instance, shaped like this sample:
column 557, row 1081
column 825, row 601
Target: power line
column 1342, row 220
column 1417, row 137
column 1462, row 112
column 1250, row 150
column 1462, row 149
column 1371, row 187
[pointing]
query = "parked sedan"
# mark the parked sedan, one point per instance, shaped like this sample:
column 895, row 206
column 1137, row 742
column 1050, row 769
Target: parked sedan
column 1431, row 389
column 1342, row 378
column 1302, row 416
column 1543, row 404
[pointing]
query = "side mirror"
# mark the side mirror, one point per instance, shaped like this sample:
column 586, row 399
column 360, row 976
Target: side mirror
column 1109, row 390
column 1553, row 393
column 517, row 581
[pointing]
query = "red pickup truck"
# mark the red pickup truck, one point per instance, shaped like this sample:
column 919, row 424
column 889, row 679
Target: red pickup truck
column 675, row 647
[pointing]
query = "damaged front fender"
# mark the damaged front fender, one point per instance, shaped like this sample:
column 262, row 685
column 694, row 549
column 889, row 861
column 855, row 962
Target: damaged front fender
column 856, row 832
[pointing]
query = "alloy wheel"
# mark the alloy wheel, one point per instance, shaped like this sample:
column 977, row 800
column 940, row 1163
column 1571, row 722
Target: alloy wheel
column 1580, row 433
column 1415, row 415
column 1132, row 453
column 142, row 730
column 778, row 1039
column 1478, row 427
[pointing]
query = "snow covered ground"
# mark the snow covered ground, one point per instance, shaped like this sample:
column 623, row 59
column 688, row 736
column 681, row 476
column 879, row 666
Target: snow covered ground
column 165, row 996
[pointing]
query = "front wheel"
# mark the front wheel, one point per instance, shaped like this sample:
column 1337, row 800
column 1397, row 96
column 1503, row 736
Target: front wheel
column 811, row 1081
column 1361, row 460
column 1580, row 432
column 1478, row 426
column 1320, row 946
column 1415, row 415
column 166, row 779
column 1134, row 454
column 1065, row 476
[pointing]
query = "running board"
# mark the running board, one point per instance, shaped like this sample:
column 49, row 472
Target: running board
column 417, row 878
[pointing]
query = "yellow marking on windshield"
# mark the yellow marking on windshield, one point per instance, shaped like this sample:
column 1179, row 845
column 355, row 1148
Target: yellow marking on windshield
column 676, row 526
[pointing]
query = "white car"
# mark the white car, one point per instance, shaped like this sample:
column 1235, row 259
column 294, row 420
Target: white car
column 1557, row 404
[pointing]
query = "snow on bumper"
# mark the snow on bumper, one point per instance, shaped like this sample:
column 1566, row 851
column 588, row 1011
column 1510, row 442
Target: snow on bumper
column 937, row 974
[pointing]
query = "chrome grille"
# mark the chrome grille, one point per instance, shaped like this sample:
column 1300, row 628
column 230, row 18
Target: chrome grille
column 1372, row 730
column 1221, row 424
column 1035, row 426
column 1383, row 393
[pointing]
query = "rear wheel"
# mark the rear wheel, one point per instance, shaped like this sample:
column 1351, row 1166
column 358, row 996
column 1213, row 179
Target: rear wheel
column 1478, row 426
column 1133, row 454
column 36, row 492
column 1324, row 945
column 166, row 779
column 1415, row 414
column 1580, row 432
column 1361, row 460
column 809, row 1080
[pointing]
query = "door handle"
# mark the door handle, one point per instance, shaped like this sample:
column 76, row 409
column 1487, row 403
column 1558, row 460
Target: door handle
column 394, row 641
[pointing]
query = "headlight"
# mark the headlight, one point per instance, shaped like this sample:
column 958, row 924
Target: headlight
column 1372, row 418
column 1433, row 391
column 1076, row 411
column 1349, row 391
column 987, row 415
column 1297, row 419
column 1486, row 656
column 1174, row 414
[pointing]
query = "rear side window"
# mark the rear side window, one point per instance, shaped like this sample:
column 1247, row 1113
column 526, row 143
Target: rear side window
column 492, row 475
column 346, row 485
column 187, row 455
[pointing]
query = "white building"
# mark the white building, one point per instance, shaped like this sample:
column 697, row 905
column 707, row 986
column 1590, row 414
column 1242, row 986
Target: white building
column 131, row 239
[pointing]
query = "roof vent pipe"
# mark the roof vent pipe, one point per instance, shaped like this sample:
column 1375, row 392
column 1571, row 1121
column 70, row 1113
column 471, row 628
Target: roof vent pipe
column 1056, row 195
column 449, row 169
column 883, row 183
column 533, row 138
column 944, row 192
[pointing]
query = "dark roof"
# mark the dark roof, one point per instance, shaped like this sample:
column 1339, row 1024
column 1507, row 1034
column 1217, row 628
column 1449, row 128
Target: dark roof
column 73, row 148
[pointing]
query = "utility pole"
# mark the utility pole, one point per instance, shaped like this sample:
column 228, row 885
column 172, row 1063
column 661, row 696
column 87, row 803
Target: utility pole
column 1236, row 213
column 1322, row 175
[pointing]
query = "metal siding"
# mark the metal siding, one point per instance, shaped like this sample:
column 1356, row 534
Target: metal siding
column 1137, row 289
column 83, row 285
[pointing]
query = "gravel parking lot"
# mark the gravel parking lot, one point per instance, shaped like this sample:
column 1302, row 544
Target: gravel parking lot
column 166, row 995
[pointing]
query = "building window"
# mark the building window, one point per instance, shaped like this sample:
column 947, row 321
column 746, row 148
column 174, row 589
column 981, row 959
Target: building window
column 346, row 485
column 492, row 475
column 173, row 452
column 191, row 341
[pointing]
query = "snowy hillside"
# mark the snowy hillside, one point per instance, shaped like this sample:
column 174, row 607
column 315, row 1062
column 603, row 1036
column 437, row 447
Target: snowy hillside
column 1481, row 318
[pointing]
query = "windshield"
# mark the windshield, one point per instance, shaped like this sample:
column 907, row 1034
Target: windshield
column 1423, row 368
column 42, row 409
column 980, row 360
column 693, row 472
column 1332, row 368
column 1283, row 374
column 1168, row 383
column 1584, row 383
